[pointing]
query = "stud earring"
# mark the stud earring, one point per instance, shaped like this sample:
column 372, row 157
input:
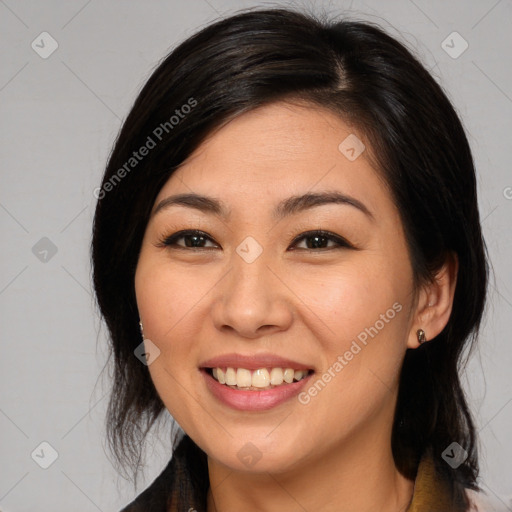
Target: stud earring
column 421, row 336
column 141, row 330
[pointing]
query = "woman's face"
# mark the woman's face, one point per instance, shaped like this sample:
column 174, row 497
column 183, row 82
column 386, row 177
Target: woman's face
column 261, row 296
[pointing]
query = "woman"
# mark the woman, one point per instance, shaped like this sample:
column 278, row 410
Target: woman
column 289, row 219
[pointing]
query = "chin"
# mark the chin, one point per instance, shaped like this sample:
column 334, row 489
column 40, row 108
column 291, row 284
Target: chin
column 258, row 454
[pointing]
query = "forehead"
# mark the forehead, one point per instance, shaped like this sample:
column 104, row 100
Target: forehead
column 276, row 151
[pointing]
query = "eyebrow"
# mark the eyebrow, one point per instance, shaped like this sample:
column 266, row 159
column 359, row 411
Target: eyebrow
column 286, row 207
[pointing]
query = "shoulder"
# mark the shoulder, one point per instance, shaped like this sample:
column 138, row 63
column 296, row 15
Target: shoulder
column 484, row 502
column 155, row 497
column 184, row 481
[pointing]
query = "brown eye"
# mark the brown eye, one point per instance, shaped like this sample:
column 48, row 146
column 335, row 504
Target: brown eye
column 319, row 239
column 194, row 239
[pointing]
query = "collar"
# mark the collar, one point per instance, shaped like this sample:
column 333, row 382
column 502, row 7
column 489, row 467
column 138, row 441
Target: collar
column 431, row 491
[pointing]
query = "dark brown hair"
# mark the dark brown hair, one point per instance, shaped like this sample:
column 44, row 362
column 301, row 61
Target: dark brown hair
column 374, row 83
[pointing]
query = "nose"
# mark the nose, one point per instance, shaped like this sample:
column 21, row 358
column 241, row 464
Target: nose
column 252, row 300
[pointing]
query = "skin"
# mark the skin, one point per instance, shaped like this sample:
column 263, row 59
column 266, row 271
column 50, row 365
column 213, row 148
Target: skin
column 333, row 453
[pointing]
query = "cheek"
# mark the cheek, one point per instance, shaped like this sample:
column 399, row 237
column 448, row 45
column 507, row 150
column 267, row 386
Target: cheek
column 166, row 298
column 166, row 295
column 351, row 299
column 363, row 313
column 362, row 309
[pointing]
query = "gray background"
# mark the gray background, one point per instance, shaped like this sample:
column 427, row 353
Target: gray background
column 59, row 117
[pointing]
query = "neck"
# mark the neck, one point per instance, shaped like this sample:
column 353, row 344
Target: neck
column 360, row 475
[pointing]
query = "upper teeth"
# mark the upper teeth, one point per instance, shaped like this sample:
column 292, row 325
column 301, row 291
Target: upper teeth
column 260, row 378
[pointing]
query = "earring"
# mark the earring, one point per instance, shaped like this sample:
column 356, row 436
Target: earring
column 421, row 336
column 141, row 330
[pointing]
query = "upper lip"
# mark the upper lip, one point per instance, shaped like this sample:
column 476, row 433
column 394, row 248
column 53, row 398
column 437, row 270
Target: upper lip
column 253, row 362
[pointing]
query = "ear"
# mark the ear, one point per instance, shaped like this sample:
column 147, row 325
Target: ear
column 435, row 302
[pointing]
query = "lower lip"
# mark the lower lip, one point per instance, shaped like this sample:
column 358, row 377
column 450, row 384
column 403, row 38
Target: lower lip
column 253, row 400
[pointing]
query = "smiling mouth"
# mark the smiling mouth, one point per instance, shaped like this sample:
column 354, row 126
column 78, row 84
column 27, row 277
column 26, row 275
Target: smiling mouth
column 257, row 380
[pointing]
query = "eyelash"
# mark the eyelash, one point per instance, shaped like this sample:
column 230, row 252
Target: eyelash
column 170, row 241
